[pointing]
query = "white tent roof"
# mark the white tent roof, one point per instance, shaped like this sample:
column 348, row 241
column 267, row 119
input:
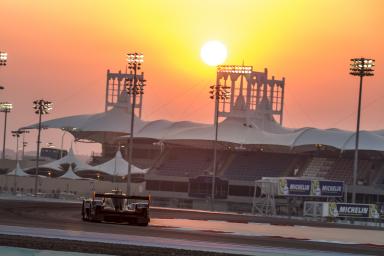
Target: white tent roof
column 70, row 175
column 70, row 160
column 18, row 171
column 118, row 166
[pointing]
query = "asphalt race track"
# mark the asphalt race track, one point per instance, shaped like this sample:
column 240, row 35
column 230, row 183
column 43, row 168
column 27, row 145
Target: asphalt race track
column 66, row 216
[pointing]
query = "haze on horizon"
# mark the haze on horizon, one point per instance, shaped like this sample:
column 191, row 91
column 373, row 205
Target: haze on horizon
column 60, row 51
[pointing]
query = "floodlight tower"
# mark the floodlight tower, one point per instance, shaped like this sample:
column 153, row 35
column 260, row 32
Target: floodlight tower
column 359, row 67
column 134, row 87
column 16, row 134
column 24, row 142
column 5, row 107
column 220, row 93
column 41, row 107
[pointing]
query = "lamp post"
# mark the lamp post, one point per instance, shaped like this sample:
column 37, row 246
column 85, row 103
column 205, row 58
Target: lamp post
column 6, row 108
column 24, row 142
column 17, row 135
column 133, row 88
column 219, row 93
column 359, row 67
column 41, row 107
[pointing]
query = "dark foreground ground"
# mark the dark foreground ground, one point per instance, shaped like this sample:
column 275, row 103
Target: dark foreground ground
column 67, row 217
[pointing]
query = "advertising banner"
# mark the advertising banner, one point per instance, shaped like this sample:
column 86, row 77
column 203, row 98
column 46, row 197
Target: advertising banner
column 353, row 210
column 291, row 187
column 313, row 188
column 327, row 188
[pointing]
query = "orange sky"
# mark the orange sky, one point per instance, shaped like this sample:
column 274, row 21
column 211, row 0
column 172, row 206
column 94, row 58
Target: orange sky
column 60, row 51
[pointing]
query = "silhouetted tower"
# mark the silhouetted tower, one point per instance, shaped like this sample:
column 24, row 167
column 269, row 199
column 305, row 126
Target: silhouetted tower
column 116, row 86
column 253, row 96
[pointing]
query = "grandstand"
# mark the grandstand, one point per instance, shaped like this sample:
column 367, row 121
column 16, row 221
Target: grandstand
column 184, row 162
column 251, row 145
column 255, row 165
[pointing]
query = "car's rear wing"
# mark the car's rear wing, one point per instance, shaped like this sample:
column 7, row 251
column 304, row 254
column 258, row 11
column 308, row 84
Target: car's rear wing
column 146, row 198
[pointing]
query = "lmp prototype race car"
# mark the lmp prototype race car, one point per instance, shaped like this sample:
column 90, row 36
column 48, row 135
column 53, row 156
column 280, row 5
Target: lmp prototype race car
column 116, row 207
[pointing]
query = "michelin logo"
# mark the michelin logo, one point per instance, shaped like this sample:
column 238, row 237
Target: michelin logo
column 301, row 187
column 328, row 188
column 353, row 210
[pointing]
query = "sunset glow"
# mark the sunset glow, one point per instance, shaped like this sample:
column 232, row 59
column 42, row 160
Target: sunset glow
column 61, row 50
column 213, row 53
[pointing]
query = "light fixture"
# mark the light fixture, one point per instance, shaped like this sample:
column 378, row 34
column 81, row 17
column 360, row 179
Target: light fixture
column 5, row 107
column 362, row 67
column 41, row 107
column 234, row 69
column 3, row 58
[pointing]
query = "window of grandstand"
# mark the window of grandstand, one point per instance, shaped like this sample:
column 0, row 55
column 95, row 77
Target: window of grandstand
column 53, row 153
column 201, row 187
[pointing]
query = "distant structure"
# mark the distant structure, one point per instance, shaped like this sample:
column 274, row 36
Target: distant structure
column 116, row 84
column 53, row 153
column 253, row 95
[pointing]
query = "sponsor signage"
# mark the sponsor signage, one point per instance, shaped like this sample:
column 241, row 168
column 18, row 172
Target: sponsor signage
column 327, row 188
column 291, row 187
column 353, row 210
column 315, row 188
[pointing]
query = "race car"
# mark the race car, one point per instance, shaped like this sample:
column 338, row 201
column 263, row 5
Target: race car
column 116, row 207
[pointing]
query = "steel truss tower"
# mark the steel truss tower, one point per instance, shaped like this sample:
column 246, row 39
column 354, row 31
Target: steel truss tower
column 253, row 95
column 116, row 85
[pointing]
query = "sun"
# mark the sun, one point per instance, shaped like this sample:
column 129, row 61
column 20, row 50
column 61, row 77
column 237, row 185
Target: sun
column 213, row 53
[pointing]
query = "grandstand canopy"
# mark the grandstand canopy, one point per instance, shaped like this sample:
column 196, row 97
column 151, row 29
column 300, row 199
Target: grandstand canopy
column 231, row 130
column 98, row 127
column 242, row 127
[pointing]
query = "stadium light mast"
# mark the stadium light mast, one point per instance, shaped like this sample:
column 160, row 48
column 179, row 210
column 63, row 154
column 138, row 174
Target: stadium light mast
column 5, row 107
column 41, row 107
column 359, row 67
column 24, row 143
column 220, row 93
column 133, row 88
column 16, row 134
